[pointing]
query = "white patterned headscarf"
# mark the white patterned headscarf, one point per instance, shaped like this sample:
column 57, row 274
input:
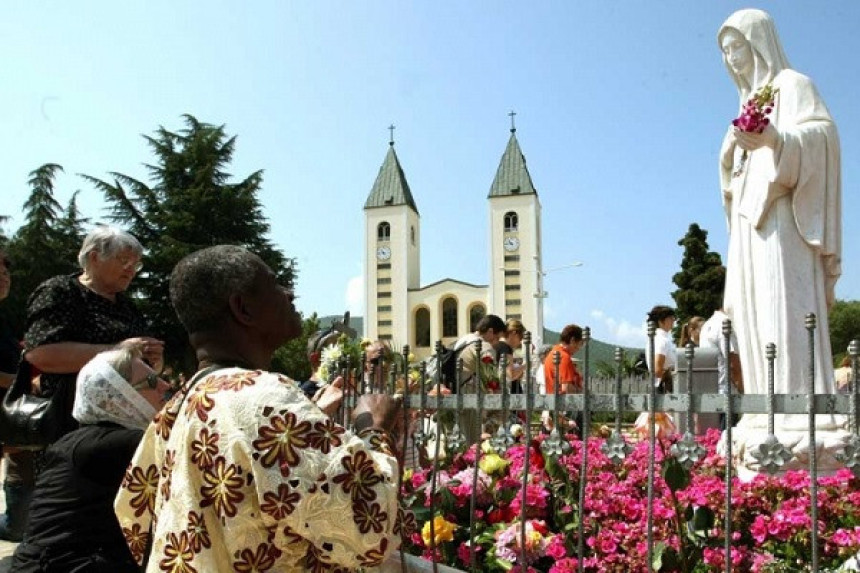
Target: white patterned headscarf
column 103, row 395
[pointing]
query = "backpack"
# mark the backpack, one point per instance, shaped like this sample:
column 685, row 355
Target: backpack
column 445, row 364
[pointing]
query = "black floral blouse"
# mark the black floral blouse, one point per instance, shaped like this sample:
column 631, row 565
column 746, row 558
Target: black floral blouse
column 61, row 309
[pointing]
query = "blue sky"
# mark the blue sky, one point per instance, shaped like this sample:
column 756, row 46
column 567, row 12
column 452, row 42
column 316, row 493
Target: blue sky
column 621, row 110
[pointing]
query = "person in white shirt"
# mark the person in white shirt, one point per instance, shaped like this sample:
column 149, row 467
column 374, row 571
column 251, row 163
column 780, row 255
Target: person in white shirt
column 711, row 336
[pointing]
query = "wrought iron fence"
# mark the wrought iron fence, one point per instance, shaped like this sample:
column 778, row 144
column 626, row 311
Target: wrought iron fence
column 615, row 398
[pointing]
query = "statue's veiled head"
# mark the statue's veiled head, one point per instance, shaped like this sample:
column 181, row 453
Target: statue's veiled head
column 756, row 27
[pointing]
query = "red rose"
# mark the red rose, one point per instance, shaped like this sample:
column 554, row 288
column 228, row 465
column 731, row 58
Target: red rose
column 540, row 527
column 486, row 359
column 501, row 515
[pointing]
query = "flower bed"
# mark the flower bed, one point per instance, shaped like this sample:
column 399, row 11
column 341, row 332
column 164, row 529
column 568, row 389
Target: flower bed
column 770, row 516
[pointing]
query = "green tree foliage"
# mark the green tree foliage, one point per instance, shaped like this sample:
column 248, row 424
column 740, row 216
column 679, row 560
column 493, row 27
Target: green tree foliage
column 701, row 279
column 46, row 245
column 292, row 358
column 4, row 240
column 844, row 319
column 190, row 202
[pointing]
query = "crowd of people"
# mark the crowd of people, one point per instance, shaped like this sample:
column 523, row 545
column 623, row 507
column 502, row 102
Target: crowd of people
column 242, row 468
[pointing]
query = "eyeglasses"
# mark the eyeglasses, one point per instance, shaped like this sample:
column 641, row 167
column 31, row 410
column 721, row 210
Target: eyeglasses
column 150, row 381
column 130, row 263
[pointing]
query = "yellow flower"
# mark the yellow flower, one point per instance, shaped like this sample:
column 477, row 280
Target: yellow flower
column 443, row 530
column 533, row 540
column 407, row 474
column 493, row 463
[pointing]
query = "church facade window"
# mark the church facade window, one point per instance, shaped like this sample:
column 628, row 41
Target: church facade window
column 476, row 313
column 383, row 232
column 449, row 317
column 511, row 222
column 422, row 328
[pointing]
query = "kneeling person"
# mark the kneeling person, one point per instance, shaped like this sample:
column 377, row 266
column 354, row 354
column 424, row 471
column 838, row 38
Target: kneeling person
column 72, row 525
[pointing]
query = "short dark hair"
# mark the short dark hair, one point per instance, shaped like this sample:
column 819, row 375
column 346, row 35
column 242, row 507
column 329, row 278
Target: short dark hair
column 490, row 322
column 202, row 283
column 571, row 332
column 660, row 313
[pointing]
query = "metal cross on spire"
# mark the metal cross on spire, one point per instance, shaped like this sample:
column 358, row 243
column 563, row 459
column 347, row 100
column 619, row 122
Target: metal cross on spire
column 391, row 137
column 513, row 125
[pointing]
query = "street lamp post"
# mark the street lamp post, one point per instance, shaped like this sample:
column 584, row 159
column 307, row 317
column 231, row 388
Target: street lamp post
column 541, row 294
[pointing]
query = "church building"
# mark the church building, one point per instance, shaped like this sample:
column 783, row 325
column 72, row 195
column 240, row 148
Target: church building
column 399, row 309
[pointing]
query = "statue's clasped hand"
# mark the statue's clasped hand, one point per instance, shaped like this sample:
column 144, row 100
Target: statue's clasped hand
column 750, row 141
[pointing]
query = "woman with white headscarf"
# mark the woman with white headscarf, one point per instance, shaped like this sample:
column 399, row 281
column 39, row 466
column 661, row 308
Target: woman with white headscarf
column 72, row 525
column 782, row 195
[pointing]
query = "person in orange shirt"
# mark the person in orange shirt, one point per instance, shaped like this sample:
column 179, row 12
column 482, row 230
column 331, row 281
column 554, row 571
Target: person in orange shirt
column 569, row 378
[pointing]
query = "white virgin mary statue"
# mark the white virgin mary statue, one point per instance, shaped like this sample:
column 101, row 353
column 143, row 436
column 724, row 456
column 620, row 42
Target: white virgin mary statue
column 782, row 195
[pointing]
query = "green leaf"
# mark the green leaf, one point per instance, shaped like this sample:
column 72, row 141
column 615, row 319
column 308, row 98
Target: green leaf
column 675, row 475
column 670, row 561
column 688, row 513
column 657, row 559
column 703, row 519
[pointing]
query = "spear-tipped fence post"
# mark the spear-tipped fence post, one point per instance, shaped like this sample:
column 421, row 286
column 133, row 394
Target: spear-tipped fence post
column 813, row 455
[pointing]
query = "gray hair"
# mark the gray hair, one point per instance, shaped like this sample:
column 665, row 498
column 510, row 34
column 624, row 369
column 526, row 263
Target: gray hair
column 121, row 359
column 107, row 241
column 201, row 285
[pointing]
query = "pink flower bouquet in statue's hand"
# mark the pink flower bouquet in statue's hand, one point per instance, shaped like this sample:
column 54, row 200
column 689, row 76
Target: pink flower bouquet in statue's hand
column 753, row 117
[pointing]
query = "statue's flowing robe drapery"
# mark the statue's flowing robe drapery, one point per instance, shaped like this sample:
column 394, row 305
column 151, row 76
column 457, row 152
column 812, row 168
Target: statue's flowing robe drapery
column 784, row 217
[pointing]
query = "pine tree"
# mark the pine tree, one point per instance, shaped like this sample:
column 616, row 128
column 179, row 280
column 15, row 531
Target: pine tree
column 844, row 319
column 189, row 203
column 292, row 358
column 46, row 245
column 701, row 279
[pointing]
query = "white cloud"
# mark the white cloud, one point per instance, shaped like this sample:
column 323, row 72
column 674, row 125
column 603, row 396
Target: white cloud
column 621, row 332
column 355, row 296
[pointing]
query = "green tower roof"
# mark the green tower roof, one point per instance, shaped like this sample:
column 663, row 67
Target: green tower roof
column 512, row 176
column 390, row 187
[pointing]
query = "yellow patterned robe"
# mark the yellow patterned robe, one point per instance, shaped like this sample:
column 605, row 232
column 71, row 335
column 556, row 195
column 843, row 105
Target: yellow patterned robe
column 245, row 474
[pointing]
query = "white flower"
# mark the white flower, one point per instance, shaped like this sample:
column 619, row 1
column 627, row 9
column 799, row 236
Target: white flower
column 331, row 354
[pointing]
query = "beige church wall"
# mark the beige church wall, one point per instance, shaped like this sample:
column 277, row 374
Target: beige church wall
column 432, row 297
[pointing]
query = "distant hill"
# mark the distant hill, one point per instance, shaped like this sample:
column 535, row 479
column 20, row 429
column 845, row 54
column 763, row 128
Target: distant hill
column 598, row 351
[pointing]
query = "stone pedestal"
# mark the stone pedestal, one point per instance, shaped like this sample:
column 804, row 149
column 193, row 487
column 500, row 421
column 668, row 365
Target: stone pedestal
column 792, row 431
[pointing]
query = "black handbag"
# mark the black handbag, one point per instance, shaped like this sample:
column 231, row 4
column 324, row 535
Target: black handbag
column 31, row 422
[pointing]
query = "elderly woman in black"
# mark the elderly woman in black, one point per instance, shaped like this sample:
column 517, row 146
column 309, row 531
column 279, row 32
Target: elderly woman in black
column 72, row 523
column 71, row 318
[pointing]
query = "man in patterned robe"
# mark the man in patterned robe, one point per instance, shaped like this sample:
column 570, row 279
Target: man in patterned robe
column 241, row 472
